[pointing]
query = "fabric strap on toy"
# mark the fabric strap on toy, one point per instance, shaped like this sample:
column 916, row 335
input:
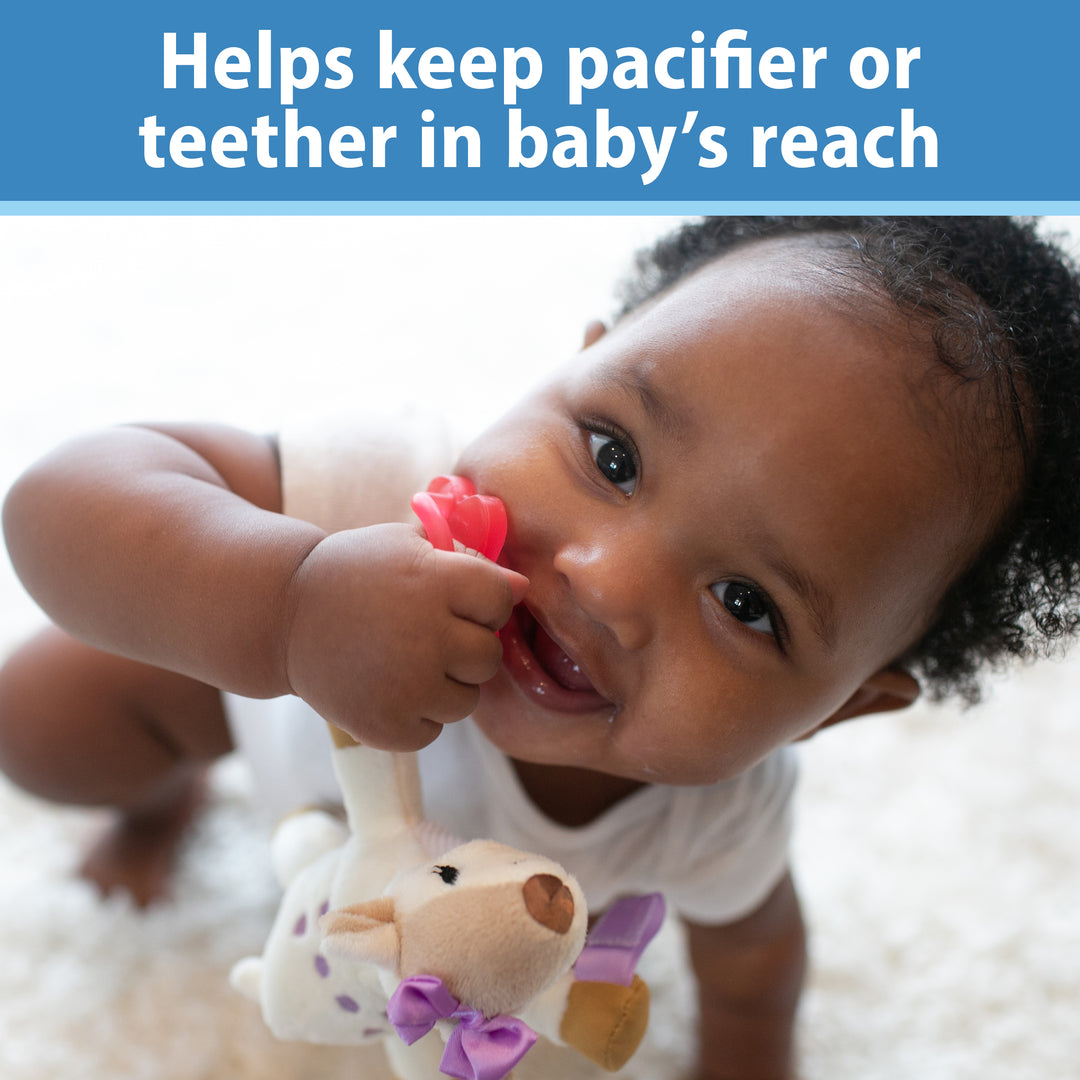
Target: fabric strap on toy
column 616, row 942
column 477, row 1049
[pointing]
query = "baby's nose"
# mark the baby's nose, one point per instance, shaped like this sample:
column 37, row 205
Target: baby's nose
column 549, row 902
column 612, row 584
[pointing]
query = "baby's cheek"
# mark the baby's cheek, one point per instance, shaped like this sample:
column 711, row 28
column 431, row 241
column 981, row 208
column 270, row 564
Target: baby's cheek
column 705, row 732
column 665, row 749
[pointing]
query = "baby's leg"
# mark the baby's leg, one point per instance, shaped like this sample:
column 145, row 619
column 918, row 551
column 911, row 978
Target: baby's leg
column 84, row 727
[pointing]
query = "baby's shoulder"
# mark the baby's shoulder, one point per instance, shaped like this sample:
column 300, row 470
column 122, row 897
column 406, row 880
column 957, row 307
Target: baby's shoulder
column 361, row 468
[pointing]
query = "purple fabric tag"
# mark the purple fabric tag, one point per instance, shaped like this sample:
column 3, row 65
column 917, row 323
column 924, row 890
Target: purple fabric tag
column 616, row 942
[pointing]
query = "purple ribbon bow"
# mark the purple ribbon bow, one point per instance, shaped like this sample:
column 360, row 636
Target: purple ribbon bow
column 477, row 1049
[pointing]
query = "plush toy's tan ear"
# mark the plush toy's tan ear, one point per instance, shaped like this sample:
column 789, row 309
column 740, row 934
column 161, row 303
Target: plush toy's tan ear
column 365, row 932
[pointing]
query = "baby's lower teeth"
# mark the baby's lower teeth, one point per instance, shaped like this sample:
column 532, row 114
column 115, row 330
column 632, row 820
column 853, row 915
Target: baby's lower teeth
column 557, row 664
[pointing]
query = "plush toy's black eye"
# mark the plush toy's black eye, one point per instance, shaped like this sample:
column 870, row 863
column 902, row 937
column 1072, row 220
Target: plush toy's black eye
column 449, row 874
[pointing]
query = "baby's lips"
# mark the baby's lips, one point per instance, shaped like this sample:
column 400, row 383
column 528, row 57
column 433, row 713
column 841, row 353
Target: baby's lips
column 451, row 510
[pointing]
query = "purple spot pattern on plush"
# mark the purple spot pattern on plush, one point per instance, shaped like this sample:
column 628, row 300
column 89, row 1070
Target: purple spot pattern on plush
column 321, row 966
column 301, row 927
column 347, row 1003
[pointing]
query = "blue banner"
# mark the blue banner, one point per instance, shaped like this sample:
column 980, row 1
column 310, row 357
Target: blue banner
column 484, row 105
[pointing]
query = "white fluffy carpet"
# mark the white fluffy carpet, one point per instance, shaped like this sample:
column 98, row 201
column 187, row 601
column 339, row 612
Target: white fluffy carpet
column 938, row 858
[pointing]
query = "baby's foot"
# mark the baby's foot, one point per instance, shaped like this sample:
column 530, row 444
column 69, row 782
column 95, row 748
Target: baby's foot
column 138, row 852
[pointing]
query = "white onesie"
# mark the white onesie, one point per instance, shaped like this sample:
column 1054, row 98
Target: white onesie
column 715, row 852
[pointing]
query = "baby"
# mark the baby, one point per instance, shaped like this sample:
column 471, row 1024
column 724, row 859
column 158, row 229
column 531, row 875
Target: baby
column 814, row 464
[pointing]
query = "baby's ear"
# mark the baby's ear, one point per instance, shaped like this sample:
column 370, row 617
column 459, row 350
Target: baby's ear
column 594, row 332
column 885, row 691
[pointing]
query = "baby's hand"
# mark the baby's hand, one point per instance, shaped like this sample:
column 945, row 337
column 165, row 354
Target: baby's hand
column 390, row 637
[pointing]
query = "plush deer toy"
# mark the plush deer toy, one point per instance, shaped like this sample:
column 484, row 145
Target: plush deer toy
column 455, row 955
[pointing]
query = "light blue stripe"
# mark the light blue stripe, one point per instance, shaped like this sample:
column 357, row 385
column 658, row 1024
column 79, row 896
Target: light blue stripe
column 421, row 208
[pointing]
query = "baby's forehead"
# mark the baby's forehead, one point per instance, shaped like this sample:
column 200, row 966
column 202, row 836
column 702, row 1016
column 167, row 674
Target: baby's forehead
column 793, row 340
column 776, row 302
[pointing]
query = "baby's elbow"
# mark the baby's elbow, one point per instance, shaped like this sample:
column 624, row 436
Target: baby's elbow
column 62, row 498
column 35, row 496
column 19, row 516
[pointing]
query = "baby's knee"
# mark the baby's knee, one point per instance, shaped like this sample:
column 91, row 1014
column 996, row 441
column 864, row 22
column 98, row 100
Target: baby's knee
column 56, row 699
column 25, row 735
column 79, row 725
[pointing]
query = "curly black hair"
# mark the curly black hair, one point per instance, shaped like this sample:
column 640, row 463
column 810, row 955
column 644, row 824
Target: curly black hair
column 1003, row 306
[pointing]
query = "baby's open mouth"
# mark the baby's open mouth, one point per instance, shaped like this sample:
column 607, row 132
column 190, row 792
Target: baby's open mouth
column 555, row 661
column 543, row 668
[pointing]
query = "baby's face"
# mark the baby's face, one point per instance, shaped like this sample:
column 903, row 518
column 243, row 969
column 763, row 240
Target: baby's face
column 734, row 510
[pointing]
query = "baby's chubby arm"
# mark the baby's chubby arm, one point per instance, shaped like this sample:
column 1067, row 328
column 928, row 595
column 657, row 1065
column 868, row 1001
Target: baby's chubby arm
column 167, row 544
column 750, row 975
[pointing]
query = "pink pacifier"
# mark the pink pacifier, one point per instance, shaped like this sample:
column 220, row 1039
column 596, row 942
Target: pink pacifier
column 451, row 510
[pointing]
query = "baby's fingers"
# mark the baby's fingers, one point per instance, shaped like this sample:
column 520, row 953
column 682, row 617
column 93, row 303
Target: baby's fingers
column 454, row 702
column 481, row 591
column 474, row 653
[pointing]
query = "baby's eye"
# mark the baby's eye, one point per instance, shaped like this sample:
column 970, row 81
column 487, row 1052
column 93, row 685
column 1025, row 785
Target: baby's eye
column 747, row 604
column 614, row 460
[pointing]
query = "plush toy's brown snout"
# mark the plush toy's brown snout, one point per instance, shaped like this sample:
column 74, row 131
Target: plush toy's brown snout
column 549, row 902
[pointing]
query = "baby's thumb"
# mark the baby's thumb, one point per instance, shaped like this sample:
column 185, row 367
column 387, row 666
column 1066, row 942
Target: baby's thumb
column 519, row 583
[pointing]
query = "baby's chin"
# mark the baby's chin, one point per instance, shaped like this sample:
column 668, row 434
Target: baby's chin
column 588, row 744
column 584, row 752
column 530, row 738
